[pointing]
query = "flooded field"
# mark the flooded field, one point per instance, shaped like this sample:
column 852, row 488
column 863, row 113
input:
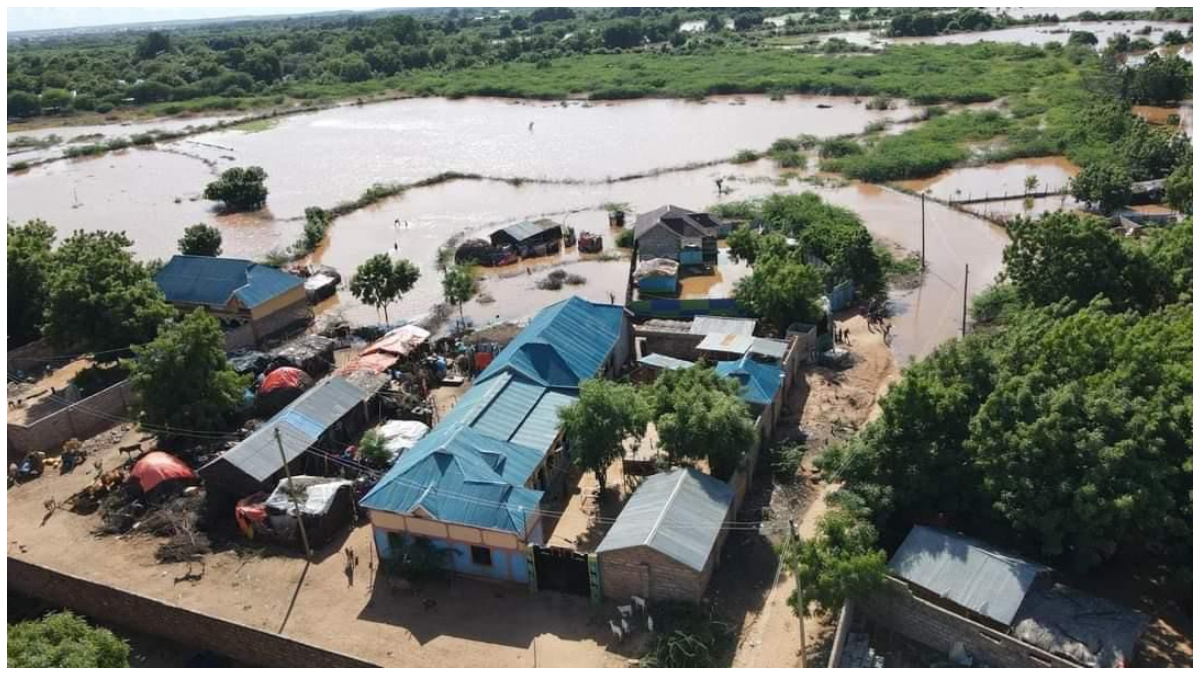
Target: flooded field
column 153, row 194
column 1043, row 34
column 994, row 180
column 94, row 133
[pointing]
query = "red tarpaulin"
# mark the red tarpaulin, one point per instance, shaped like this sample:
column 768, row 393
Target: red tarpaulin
column 285, row 377
column 156, row 467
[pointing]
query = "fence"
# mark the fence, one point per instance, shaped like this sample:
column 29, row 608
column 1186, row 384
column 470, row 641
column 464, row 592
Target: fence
column 81, row 420
column 841, row 296
column 684, row 309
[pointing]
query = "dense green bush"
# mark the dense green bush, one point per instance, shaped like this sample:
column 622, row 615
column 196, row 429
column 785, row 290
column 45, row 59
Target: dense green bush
column 64, row 640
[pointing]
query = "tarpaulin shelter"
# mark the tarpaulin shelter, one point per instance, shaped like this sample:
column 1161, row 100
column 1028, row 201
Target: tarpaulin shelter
column 400, row 435
column 156, row 468
column 401, row 341
column 326, row 505
column 279, row 388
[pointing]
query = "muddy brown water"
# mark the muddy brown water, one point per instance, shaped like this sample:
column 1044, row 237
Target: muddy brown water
column 326, row 157
column 994, row 180
column 1046, row 33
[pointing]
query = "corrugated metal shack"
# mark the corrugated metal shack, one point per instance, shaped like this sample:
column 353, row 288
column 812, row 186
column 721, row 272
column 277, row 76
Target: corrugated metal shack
column 530, row 238
column 667, row 540
column 327, row 416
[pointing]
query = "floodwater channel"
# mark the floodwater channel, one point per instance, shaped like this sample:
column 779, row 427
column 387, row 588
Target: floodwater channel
column 326, row 157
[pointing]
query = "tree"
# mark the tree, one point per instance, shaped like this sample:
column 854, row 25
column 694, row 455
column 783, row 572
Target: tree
column 99, row 297
column 1082, row 38
column 743, row 244
column 459, row 286
column 182, row 379
column 64, row 640
column 201, row 239
column 241, row 188
column 153, row 44
column 24, row 104
column 842, row 562
column 781, row 290
column 381, row 281
column 1107, row 185
column 56, row 99
column 1174, row 37
column 1064, row 255
column 623, row 34
column 29, row 266
column 1179, row 189
column 596, row 425
column 699, row 415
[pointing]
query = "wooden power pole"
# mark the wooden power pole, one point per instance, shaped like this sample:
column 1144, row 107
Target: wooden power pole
column 922, row 231
column 966, row 277
column 292, row 493
column 799, row 594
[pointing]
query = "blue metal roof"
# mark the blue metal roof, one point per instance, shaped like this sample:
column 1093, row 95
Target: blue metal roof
column 759, row 381
column 565, row 343
column 205, row 280
column 473, row 467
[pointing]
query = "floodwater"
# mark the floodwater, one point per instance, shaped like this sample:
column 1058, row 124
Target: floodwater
column 1182, row 51
column 323, row 158
column 993, row 180
column 1046, row 33
column 92, row 133
column 1161, row 115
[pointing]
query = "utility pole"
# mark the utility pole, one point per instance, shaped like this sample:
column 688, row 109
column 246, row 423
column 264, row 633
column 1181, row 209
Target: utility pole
column 292, row 493
column 799, row 594
column 966, row 276
column 922, row 231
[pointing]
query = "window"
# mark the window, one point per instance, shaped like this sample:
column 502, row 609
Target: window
column 481, row 556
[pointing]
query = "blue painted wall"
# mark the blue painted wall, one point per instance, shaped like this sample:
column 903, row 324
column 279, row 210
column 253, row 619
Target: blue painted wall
column 506, row 565
column 691, row 256
column 657, row 284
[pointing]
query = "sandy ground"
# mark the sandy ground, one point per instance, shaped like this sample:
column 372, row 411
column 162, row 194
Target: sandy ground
column 321, row 603
column 35, row 400
column 831, row 405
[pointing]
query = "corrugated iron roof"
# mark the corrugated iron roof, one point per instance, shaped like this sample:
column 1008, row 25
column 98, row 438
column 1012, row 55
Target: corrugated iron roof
column 473, row 467
column 209, row 281
column 769, row 347
column 760, row 381
column 300, row 425
column 665, row 362
column 730, row 344
column 678, row 514
column 723, row 325
column 966, row 572
column 526, row 229
column 565, row 343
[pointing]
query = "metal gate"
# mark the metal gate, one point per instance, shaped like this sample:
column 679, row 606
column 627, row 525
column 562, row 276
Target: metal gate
column 562, row 570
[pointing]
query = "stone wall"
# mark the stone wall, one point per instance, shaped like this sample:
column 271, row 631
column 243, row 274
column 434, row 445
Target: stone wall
column 897, row 609
column 155, row 617
column 81, row 420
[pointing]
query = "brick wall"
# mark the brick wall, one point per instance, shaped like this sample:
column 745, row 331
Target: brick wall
column 296, row 312
column 154, row 617
column 668, row 343
column 642, row 571
column 897, row 609
column 81, row 420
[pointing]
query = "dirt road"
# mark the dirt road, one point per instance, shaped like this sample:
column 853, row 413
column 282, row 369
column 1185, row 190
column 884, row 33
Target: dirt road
column 834, row 406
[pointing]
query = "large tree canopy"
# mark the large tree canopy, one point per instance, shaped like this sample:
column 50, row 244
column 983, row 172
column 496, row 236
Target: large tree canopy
column 29, row 266
column 200, row 239
column 100, row 297
column 64, row 640
column 781, row 290
column 699, row 415
column 183, row 380
column 240, row 188
column 597, row 423
column 380, row 281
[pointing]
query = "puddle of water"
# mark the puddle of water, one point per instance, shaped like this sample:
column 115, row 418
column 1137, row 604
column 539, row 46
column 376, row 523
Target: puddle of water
column 1160, row 115
column 996, row 179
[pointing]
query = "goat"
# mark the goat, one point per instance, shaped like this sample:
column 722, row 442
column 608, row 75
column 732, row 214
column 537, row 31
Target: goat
column 649, row 623
column 625, row 626
column 130, row 450
column 625, row 610
column 616, row 630
column 640, row 603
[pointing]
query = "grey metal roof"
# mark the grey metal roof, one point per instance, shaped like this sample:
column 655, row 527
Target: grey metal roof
column 300, row 425
column 526, row 229
column 665, row 362
column 730, row 344
column 678, row 514
column 769, row 347
column 966, row 572
column 725, row 325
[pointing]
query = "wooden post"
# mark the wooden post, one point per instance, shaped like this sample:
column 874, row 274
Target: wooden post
column 922, row 231
column 966, row 277
column 799, row 595
column 287, row 471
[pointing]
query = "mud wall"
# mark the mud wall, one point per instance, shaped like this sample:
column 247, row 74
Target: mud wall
column 81, row 420
column 155, row 617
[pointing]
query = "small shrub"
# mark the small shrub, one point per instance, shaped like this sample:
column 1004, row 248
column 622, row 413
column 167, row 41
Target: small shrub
column 625, row 238
column 372, row 451
column 142, row 139
column 745, row 157
column 790, row 159
column 839, row 147
column 18, row 166
column 788, row 460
